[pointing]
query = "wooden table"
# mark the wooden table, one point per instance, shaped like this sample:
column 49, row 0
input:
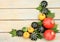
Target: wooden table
column 15, row 14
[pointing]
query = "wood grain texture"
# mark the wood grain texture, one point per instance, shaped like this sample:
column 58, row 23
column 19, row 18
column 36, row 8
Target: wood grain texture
column 13, row 11
column 6, row 37
column 24, row 13
column 26, row 3
column 7, row 26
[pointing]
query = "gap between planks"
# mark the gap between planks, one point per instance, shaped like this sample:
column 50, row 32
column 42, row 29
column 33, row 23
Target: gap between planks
column 22, row 19
column 32, row 8
column 9, row 32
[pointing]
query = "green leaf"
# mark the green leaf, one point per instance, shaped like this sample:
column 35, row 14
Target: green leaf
column 40, row 23
column 13, row 32
column 55, row 28
column 36, row 31
column 51, row 15
column 39, row 8
column 39, row 36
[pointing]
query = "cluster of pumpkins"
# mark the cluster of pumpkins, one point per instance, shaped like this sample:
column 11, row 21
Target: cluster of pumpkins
column 44, row 27
column 47, row 24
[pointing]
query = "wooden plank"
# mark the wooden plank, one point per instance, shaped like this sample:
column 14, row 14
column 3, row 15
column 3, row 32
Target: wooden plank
column 24, row 13
column 7, row 26
column 6, row 37
column 26, row 3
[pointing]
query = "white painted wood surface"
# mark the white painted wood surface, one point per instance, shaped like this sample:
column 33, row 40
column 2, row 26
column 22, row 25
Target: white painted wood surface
column 24, row 13
column 23, row 9
column 7, row 26
column 7, row 38
column 26, row 3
